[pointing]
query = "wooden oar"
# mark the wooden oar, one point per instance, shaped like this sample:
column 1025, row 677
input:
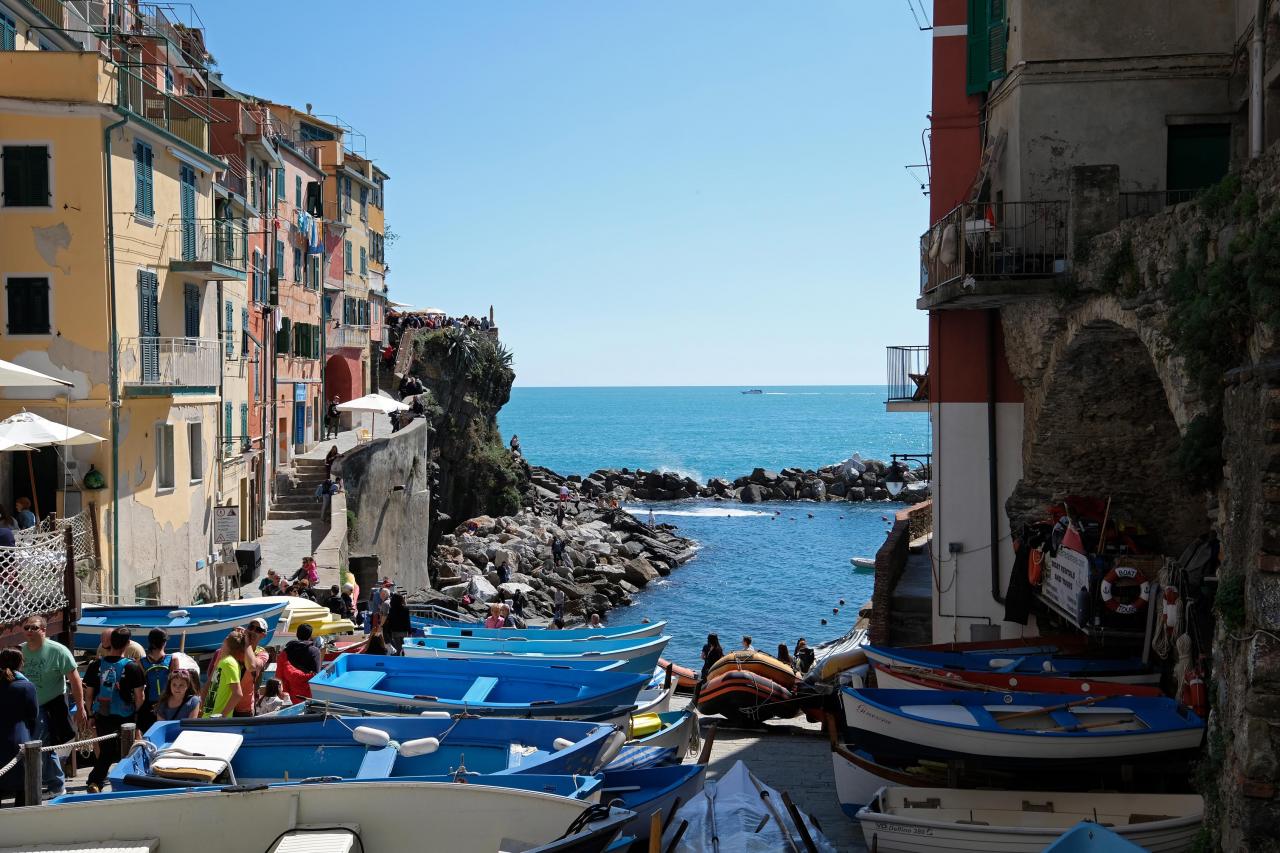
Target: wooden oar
column 798, row 820
column 928, row 675
column 1079, row 703
column 655, row 832
column 1086, row 726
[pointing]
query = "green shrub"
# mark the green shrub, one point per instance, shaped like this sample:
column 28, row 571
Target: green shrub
column 1200, row 450
column 1229, row 601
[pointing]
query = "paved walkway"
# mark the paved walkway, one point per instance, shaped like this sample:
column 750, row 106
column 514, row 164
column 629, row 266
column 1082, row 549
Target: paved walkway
column 792, row 756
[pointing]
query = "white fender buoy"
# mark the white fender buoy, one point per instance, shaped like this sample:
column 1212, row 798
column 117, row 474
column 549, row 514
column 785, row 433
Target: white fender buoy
column 370, row 736
column 419, row 746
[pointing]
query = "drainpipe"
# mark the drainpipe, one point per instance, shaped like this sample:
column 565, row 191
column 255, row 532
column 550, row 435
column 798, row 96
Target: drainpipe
column 992, row 458
column 113, row 360
column 1257, row 56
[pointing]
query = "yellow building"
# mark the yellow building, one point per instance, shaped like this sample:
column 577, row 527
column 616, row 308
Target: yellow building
column 119, row 279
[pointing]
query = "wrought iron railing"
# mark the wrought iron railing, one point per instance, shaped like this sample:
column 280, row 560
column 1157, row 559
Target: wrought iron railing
column 185, row 116
column 170, row 362
column 907, row 374
column 222, row 241
column 981, row 241
column 1148, row 203
column 347, row 336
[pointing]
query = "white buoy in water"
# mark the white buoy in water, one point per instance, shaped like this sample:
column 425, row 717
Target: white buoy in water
column 370, row 736
column 419, row 746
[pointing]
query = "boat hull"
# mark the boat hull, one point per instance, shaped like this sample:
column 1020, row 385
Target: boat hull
column 679, row 732
column 1021, row 662
column 759, row 663
column 202, row 630
column 656, row 789
column 893, row 723
column 604, row 632
column 984, row 821
column 740, row 695
column 639, row 655
column 458, row 818
column 902, row 678
column 857, row 780
column 686, row 679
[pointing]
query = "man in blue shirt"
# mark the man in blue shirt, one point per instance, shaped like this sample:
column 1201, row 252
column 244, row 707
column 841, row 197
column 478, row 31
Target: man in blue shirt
column 25, row 517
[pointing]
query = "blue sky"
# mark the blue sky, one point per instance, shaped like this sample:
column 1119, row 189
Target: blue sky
column 647, row 192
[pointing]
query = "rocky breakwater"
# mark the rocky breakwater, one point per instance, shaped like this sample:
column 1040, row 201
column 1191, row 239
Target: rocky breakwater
column 865, row 480
column 608, row 557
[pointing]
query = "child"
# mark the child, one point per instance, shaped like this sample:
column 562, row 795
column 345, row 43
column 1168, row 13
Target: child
column 271, row 697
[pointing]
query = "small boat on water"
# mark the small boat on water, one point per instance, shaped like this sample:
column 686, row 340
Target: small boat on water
column 479, row 687
column 867, row 564
column 754, row 391
column 638, row 655
column 268, row 750
column 744, row 696
column 1090, row 837
column 1129, row 670
column 654, row 789
column 604, row 632
column 757, row 662
column 919, row 678
column 375, row 817
column 191, row 628
column 924, row 820
column 1018, row 729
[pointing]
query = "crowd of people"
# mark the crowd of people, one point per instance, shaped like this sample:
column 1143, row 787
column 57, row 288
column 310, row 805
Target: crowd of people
column 800, row 658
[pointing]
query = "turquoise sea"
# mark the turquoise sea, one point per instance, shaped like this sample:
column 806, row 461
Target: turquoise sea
column 772, row 571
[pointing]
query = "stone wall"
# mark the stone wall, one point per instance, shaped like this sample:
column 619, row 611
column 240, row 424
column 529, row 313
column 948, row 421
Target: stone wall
column 388, row 493
column 891, row 559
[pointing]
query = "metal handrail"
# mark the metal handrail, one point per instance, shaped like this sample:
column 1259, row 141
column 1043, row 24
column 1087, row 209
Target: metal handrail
column 170, row 362
column 1008, row 240
column 904, row 362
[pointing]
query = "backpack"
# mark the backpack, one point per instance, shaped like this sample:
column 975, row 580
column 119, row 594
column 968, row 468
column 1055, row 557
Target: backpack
column 110, row 700
column 157, row 676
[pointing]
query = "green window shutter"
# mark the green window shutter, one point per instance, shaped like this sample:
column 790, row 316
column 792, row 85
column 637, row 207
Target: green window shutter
column 244, row 424
column 347, row 254
column 227, row 330
column 997, row 41
column 297, row 191
column 364, row 261
column 139, row 180
column 280, row 184
column 978, row 44
column 317, row 347
column 280, row 258
column 283, row 338
column 226, row 429
column 191, row 310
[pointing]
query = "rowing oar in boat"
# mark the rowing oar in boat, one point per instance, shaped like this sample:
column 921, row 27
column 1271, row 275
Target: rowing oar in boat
column 1065, row 706
column 929, row 675
column 1082, row 727
column 773, row 810
column 798, row 820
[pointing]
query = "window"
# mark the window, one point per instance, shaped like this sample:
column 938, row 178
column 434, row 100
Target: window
column 191, row 310
column 142, row 180
column 28, row 306
column 8, row 33
column 346, row 194
column 364, row 203
column 244, row 335
column 297, row 191
column 364, row 261
column 228, row 330
column 347, row 254
column 244, row 426
column 256, row 273
column 280, row 184
column 226, row 429
column 164, row 456
column 283, row 337
column 1198, row 156
column 253, row 180
column 26, row 176
column 147, row 593
column 195, row 451
column 986, row 44
column 279, row 258
column 313, row 265
column 297, row 264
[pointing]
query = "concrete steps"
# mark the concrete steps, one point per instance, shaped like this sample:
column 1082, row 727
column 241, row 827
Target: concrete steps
column 299, row 501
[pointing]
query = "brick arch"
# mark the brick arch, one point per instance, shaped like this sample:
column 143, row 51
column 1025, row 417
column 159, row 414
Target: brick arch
column 1108, row 415
column 338, row 379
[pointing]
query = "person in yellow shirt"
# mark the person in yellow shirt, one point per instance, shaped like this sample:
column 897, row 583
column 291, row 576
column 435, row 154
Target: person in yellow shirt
column 224, row 692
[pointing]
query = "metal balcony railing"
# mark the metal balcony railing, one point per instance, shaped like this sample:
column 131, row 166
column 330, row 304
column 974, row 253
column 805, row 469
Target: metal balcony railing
column 185, row 116
column 907, row 374
column 170, row 362
column 347, row 336
column 219, row 241
column 984, row 241
column 1148, row 203
column 51, row 9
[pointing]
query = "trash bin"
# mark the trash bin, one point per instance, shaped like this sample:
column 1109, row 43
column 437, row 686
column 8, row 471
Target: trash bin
column 249, row 558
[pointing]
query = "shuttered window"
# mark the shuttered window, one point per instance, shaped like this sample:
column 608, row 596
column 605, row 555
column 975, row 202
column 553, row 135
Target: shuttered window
column 347, row 254
column 226, row 429
column 244, row 335
column 297, row 264
column 283, row 337
column 8, row 33
column 297, row 191
column 191, row 310
column 987, row 38
column 279, row 258
column 280, row 184
column 244, row 425
column 143, row 180
column 228, row 330
column 26, row 176
column 364, row 261
column 28, row 306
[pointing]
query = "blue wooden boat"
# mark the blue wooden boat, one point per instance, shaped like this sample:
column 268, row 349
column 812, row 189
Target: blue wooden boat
column 1089, row 837
column 480, row 687
column 614, row 715
column 653, row 789
column 604, row 632
column 1131, row 670
column 267, row 750
column 638, row 655
column 1018, row 729
column 637, row 757
column 191, row 628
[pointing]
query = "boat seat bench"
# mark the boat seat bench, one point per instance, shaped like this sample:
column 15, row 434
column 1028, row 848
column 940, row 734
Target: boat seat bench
column 377, row 763
column 480, row 689
column 362, row 679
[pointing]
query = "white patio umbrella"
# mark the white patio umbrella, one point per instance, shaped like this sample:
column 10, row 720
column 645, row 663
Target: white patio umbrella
column 16, row 376
column 368, row 403
column 30, row 431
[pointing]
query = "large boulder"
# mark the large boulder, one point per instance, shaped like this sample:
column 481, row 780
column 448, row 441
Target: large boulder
column 788, row 489
column 752, row 494
column 457, row 590
column 510, row 588
column 856, row 494
column 763, row 477
column 481, row 589
column 640, row 571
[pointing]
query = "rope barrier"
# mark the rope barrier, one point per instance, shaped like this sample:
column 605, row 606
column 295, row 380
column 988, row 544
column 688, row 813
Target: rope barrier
column 63, row 748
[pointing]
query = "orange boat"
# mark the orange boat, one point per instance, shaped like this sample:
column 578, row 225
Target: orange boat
column 758, row 663
column 686, row 679
column 738, row 694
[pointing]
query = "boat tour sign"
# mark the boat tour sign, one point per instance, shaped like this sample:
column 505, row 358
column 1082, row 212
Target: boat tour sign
column 1068, row 579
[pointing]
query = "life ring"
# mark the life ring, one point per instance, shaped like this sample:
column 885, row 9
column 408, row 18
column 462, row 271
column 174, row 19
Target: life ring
column 1124, row 573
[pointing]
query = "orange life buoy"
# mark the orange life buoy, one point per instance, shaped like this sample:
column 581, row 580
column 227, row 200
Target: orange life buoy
column 1108, row 596
column 1193, row 693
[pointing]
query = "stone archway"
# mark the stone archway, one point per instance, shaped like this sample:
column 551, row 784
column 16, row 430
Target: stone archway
column 1102, row 426
column 338, row 379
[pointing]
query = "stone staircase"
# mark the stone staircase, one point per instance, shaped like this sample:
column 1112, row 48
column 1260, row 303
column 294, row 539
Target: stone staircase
column 299, row 500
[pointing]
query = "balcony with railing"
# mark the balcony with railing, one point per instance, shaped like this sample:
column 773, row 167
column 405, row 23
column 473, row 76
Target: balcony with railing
column 982, row 255
column 185, row 116
column 208, row 249
column 907, row 379
column 344, row 336
column 155, row 365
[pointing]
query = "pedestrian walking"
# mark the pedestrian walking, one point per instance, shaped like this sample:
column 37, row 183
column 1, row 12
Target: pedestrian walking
column 331, row 419
column 19, row 715
column 157, row 665
column 115, row 688
column 711, row 652
column 50, row 666
column 398, row 625
column 224, row 690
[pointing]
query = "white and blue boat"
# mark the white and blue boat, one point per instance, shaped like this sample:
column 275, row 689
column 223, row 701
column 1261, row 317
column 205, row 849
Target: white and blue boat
column 646, row 791
column 268, row 750
column 191, row 628
column 1090, row 837
column 375, row 817
column 413, row 685
column 1130, row 670
column 604, row 632
column 638, row 655
column 1018, row 729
